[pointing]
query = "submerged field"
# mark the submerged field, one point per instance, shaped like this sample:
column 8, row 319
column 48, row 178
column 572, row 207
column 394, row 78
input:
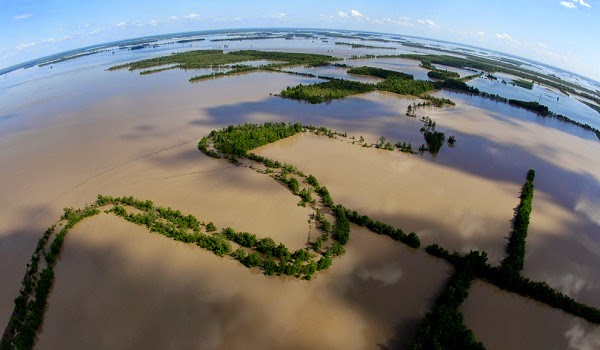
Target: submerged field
column 132, row 134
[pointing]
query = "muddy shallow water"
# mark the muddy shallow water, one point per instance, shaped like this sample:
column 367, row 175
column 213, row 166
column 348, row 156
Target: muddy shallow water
column 503, row 320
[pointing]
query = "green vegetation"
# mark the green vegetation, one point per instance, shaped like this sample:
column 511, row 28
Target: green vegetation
column 523, row 83
column 404, row 147
column 442, row 74
column 434, row 139
column 249, row 37
column 437, row 101
column 185, row 41
column 411, row 239
column 443, row 326
column 238, row 140
column 515, row 249
column 405, row 87
column 531, row 106
column 326, row 91
column 379, row 72
column 458, row 85
column 362, row 46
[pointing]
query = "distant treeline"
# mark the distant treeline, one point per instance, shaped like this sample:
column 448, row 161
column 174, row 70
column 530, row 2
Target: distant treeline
column 379, row 72
column 493, row 66
column 198, row 59
column 361, row 46
column 184, row 41
column 523, row 83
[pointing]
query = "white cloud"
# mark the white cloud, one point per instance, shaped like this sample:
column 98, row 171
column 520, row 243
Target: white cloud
column 404, row 19
column 23, row 16
column 121, row 24
column 342, row 14
column 426, row 22
column 95, row 31
column 504, row 36
column 568, row 4
column 192, row 16
column 153, row 22
column 279, row 15
column 173, row 18
column 542, row 45
column 509, row 40
column 583, row 3
column 25, row 46
column 355, row 13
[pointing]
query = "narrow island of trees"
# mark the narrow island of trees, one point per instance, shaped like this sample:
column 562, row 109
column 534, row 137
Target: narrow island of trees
column 326, row 91
column 441, row 74
column 379, row 72
column 515, row 249
column 523, row 83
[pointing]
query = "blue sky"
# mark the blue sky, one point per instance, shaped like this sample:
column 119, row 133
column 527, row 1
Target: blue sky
column 561, row 33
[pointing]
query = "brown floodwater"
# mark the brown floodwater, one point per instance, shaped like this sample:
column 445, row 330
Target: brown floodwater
column 442, row 205
column 492, row 314
column 139, row 290
column 68, row 136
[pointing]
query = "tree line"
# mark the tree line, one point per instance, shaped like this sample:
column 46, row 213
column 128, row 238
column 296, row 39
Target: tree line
column 515, row 249
column 443, row 326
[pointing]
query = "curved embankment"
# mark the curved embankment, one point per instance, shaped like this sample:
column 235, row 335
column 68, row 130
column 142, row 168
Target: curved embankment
column 444, row 323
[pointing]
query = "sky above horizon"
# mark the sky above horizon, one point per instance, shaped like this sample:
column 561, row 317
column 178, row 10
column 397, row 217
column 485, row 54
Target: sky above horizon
column 559, row 33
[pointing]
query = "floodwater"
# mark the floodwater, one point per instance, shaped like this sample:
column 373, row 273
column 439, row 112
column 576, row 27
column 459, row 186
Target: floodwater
column 557, row 101
column 75, row 130
column 402, row 190
column 490, row 313
column 140, row 290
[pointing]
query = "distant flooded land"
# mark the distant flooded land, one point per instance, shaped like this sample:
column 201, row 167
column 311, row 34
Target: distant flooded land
column 298, row 189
